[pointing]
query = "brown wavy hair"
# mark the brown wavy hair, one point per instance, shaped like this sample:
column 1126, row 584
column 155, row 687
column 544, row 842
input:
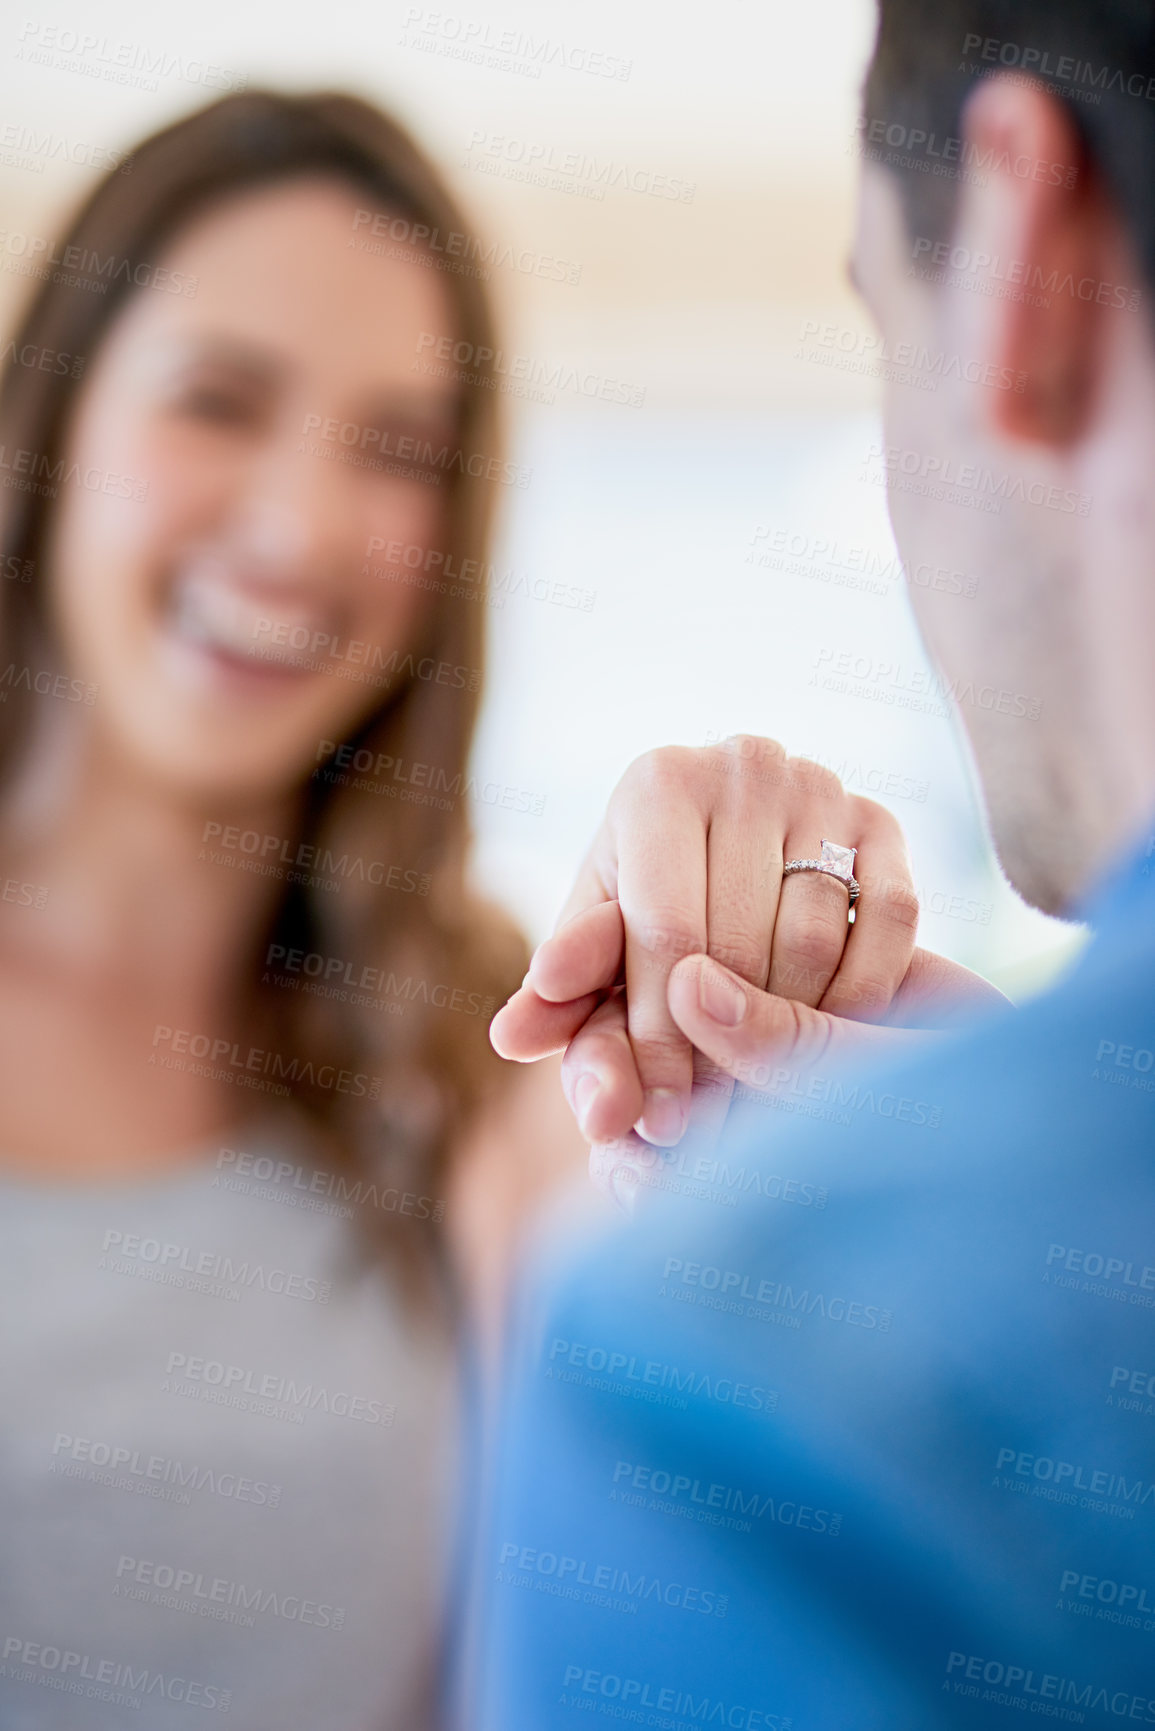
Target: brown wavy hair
column 431, row 1065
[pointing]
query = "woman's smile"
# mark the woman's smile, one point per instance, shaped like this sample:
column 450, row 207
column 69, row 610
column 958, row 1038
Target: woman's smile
column 241, row 634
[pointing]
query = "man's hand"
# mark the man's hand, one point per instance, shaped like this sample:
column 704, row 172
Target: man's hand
column 686, row 874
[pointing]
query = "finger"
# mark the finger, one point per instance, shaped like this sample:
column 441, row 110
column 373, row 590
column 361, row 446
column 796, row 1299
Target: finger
column 936, row 992
column 600, row 1076
column 710, row 1098
column 567, row 979
column 743, row 883
column 528, row 1028
column 585, row 954
column 660, row 832
column 880, row 943
column 596, row 881
column 619, row 1169
column 743, row 879
column 750, row 1034
column 810, row 930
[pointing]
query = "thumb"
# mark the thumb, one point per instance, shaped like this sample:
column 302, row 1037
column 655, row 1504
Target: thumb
column 751, row 1034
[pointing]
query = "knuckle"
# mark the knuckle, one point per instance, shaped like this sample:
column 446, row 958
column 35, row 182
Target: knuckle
column 751, row 746
column 792, row 979
column 860, row 992
column 712, row 1085
column 807, row 1036
column 666, row 935
column 815, row 939
column 742, row 957
column 592, row 1048
column 750, row 765
column 815, row 779
column 658, row 771
column 898, row 906
column 655, row 1050
column 874, row 817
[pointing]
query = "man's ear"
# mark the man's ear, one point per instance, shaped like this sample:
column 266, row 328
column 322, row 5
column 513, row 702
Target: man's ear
column 1055, row 221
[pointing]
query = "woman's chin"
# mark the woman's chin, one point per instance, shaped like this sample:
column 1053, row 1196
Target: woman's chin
column 216, row 759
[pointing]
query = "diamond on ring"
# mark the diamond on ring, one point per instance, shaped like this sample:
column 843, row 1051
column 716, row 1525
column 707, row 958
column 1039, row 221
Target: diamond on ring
column 836, row 862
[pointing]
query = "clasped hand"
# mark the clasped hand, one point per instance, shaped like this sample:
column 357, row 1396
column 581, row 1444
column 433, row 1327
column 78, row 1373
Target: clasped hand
column 685, row 962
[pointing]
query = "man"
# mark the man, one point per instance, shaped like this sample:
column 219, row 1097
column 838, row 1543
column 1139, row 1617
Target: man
column 856, row 1426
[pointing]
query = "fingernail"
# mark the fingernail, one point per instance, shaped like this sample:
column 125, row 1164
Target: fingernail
column 624, row 1188
column 663, row 1119
column 718, row 996
column 585, row 1092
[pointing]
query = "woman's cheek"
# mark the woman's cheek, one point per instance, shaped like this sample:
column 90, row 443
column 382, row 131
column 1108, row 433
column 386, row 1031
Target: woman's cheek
column 412, row 514
column 172, row 495
column 413, row 525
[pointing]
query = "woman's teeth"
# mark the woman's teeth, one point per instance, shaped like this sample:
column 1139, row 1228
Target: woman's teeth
column 217, row 616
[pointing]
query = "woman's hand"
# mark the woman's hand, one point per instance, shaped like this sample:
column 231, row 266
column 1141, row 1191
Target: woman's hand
column 686, row 874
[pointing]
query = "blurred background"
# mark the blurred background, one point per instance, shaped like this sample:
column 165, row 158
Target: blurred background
column 702, row 547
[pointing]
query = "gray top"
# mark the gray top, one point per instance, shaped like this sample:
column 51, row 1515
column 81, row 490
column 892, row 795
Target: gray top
column 226, row 1461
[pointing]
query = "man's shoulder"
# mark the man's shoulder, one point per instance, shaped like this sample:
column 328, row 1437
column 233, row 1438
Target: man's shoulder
column 871, row 1383
column 989, row 1175
column 1043, row 1083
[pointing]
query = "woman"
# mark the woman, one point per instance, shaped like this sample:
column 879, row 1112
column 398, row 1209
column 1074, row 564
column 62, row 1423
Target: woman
column 261, row 1176
column 256, row 1152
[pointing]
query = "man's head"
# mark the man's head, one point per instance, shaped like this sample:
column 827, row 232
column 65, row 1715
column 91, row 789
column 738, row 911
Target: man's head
column 1006, row 245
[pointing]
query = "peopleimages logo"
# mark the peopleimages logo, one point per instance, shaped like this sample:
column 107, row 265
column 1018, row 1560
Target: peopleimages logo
column 734, row 1284
column 114, row 1680
column 1063, row 69
column 944, row 472
column 715, row 1502
column 27, row 471
column 547, row 1571
column 1017, row 273
column 118, row 62
column 42, row 254
column 507, row 50
column 318, row 1191
column 368, row 444
column 539, row 163
column 19, row 140
column 1095, row 1481
column 267, row 855
column 221, row 1051
column 1099, row 1264
column 454, row 250
column 1107, row 1592
column 447, row 574
column 584, row 1356
column 664, row 1698
column 154, row 1475
column 181, row 1589
column 943, row 149
column 234, row 1381
column 137, row 1254
column 482, row 364
column 1020, row 1686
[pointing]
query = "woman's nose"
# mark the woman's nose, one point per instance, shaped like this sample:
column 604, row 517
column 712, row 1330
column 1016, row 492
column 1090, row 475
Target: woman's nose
column 290, row 521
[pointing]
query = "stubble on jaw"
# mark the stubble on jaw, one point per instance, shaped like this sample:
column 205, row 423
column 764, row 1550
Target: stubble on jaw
column 1046, row 781
column 1039, row 847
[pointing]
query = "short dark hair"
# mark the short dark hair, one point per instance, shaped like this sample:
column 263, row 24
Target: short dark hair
column 1096, row 56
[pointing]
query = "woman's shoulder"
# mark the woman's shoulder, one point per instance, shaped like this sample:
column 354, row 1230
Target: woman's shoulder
column 519, row 1161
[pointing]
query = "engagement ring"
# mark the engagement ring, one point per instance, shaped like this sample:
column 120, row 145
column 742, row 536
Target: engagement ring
column 836, row 862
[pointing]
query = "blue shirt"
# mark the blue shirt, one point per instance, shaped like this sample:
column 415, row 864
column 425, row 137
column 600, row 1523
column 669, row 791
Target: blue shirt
column 855, row 1428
